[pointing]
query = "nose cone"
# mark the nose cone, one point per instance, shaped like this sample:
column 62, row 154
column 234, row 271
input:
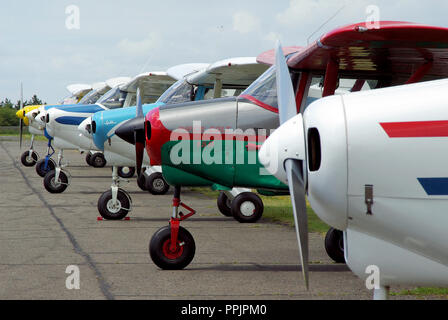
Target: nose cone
column 132, row 131
column 21, row 114
column 287, row 142
column 85, row 128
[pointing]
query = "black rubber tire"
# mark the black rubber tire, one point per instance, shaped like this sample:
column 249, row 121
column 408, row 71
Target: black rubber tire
column 224, row 204
column 239, row 200
column 156, row 184
column 97, row 160
column 125, row 175
column 40, row 170
column 89, row 158
column 122, row 198
column 163, row 237
column 27, row 161
column 334, row 245
column 50, row 185
column 141, row 182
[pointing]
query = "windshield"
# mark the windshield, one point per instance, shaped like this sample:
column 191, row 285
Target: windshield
column 91, row 97
column 179, row 92
column 113, row 99
column 264, row 89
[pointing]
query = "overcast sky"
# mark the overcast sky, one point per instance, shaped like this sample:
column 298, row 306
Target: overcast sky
column 124, row 38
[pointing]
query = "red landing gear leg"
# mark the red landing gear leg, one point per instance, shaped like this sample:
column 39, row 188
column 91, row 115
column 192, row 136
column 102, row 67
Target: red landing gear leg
column 172, row 247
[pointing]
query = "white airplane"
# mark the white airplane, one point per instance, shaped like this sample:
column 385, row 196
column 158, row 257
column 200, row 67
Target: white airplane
column 362, row 160
column 28, row 113
column 224, row 78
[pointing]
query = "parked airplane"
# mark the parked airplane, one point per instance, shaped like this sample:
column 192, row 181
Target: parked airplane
column 396, row 53
column 362, row 160
column 226, row 77
column 30, row 157
column 39, row 119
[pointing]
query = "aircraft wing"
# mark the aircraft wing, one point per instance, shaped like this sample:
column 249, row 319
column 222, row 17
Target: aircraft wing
column 396, row 51
column 268, row 57
column 118, row 81
column 153, row 83
column 240, row 71
column 182, row 70
column 79, row 89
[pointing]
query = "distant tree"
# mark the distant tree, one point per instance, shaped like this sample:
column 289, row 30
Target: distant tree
column 8, row 110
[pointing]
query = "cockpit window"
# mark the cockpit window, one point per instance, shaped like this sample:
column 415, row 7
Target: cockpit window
column 264, row 89
column 113, row 99
column 91, row 97
column 179, row 92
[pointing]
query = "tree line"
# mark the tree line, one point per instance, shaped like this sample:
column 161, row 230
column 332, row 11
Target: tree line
column 8, row 110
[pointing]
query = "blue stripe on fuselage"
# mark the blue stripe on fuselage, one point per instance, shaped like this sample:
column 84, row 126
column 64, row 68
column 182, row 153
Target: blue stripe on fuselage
column 434, row 186
column 73, row 121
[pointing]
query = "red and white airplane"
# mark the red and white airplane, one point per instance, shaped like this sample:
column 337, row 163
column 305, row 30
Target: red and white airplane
column 372, row 163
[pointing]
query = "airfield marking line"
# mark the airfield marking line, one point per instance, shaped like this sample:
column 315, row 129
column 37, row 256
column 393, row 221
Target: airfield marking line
column 104, row 286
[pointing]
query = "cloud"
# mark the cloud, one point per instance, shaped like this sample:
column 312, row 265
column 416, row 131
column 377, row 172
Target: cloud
column 140, row 47
column 244, row 22
column 300, row 12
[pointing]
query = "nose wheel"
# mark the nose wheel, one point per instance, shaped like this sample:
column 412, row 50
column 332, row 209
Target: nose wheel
column 173, row 247
column 97, row 160
column 43, row 168
column 29, row 158
column 172, row 257
column 113, row 207
column 54, row 184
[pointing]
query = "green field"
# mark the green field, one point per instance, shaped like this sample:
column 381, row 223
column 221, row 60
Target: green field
column 279, row 209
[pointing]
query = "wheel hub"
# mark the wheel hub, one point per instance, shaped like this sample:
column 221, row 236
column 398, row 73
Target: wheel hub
column 158, row 184
column 55, row 184
column 247, row 208
column 172, row 254
column 125, row 170
column 113, row 207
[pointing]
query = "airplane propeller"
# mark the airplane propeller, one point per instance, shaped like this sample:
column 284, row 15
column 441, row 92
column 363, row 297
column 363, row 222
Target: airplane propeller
column 133, row 131
column 295, row 163
column 21, row 119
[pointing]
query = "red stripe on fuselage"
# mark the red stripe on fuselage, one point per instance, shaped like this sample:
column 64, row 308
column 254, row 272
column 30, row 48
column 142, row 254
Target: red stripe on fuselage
column 416, row 129
column 259, row 103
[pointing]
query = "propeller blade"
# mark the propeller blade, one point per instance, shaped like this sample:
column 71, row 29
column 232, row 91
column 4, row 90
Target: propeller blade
column 297, row 190
column 285, row 92
column 21, row 120
column 139, row 108
column 139, row 152
column 296, row 173
column 21, row 133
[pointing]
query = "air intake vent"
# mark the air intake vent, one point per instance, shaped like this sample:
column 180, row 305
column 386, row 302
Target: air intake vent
column 314, row 150
column 148, row 130
column 93, row 126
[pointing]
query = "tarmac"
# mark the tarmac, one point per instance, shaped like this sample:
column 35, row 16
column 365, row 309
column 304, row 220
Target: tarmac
column 41, row 234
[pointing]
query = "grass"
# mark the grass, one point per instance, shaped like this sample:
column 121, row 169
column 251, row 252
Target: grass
column 423, row 292
column 11, row 131
column 279, row 209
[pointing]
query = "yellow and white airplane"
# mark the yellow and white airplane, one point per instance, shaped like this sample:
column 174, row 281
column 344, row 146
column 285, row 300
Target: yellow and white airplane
column 30, row 157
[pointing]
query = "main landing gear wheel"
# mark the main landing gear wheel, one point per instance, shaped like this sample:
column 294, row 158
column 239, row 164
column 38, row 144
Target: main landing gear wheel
column 40, row 167
column 156, row 184
column 247, row 207
column 224, row 204
column 126, row 172
column 167, row 259
column 97, row 160
column 54, row 186
column 114, row 211
column 141, row 182
column 334, row 245
column 89, row 158
column 28, row 161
